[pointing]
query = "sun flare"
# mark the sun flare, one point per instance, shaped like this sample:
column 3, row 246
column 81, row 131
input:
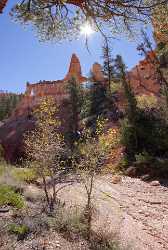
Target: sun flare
column 86, row 29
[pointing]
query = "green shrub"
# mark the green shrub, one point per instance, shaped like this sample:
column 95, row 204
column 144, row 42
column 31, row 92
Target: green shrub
column 24, row 174
column 143, row 157
column 9, row 197
column 128, row 139
column 20, row 230
column 148, row 134
column 123, row 163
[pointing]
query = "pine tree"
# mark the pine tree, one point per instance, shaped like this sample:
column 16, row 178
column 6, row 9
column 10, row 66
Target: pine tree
column 8, row 102
column 74, row 108
column 98, row 102
column 108, row 69
column 130, row 124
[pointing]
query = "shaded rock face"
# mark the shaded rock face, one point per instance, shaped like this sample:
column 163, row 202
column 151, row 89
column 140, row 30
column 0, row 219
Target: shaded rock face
column 11, row 136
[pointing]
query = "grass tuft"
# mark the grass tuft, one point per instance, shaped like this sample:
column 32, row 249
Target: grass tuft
column 24, row 174
column 20, row 230
column 9, row 197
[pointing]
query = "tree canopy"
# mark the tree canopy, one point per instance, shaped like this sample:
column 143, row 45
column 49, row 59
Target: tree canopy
column 61, row 19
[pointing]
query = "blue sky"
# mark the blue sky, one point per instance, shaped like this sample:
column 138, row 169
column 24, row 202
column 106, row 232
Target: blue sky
column 23, row 58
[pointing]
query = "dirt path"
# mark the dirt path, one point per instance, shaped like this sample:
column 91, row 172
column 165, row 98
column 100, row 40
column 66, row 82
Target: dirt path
column 135, row 210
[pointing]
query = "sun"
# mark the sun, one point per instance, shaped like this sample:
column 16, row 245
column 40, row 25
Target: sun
column 86, row 29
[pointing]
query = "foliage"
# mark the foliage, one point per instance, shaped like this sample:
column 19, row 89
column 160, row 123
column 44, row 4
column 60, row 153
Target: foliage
column 146, row 101
column 9, row 197
column 86, row 103
column 62, row 19
column 128, row 139
column 74, row 106
column 8, row 102
column 99, row 103
column 115, row 87
column 92, row 149
column 19, row 230
column 151, row 134
column 28, row 175
column 69, row 222
column 45, row 145
column 143, row 130
column 160, row 20
column 110, row 139
column 143, row 157
column 129, row 126
column 92, row 156
column 108, row 68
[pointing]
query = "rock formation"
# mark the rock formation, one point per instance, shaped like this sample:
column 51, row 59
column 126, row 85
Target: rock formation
column 143, row 77
column 11, row 133
column 143, row 80
column 75, row 70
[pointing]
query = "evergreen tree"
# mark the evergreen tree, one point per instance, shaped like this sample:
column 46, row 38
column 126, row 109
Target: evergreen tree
column 98, row 102
column 129, row 125
column 108, row 69
column 129, row 95
column 8, row 102
column 74, row 105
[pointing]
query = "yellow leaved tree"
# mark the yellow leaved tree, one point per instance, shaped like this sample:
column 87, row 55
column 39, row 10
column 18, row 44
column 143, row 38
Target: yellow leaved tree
column 44, row 145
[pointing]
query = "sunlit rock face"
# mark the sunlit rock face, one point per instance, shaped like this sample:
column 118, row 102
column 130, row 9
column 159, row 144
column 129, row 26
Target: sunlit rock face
column 143, row 77
column 34, row 92
column 97, row 72
column 75, row 70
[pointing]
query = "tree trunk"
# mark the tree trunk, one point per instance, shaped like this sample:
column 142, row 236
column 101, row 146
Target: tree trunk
column 45, row 190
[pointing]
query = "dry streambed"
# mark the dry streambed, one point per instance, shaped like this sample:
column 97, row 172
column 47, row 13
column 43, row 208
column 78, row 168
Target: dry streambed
column 134, row 210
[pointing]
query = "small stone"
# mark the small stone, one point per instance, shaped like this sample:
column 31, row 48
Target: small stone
column 4, row 209
column 145, row 177
column 116, row 179
column 155, row 183
column 131, row 171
